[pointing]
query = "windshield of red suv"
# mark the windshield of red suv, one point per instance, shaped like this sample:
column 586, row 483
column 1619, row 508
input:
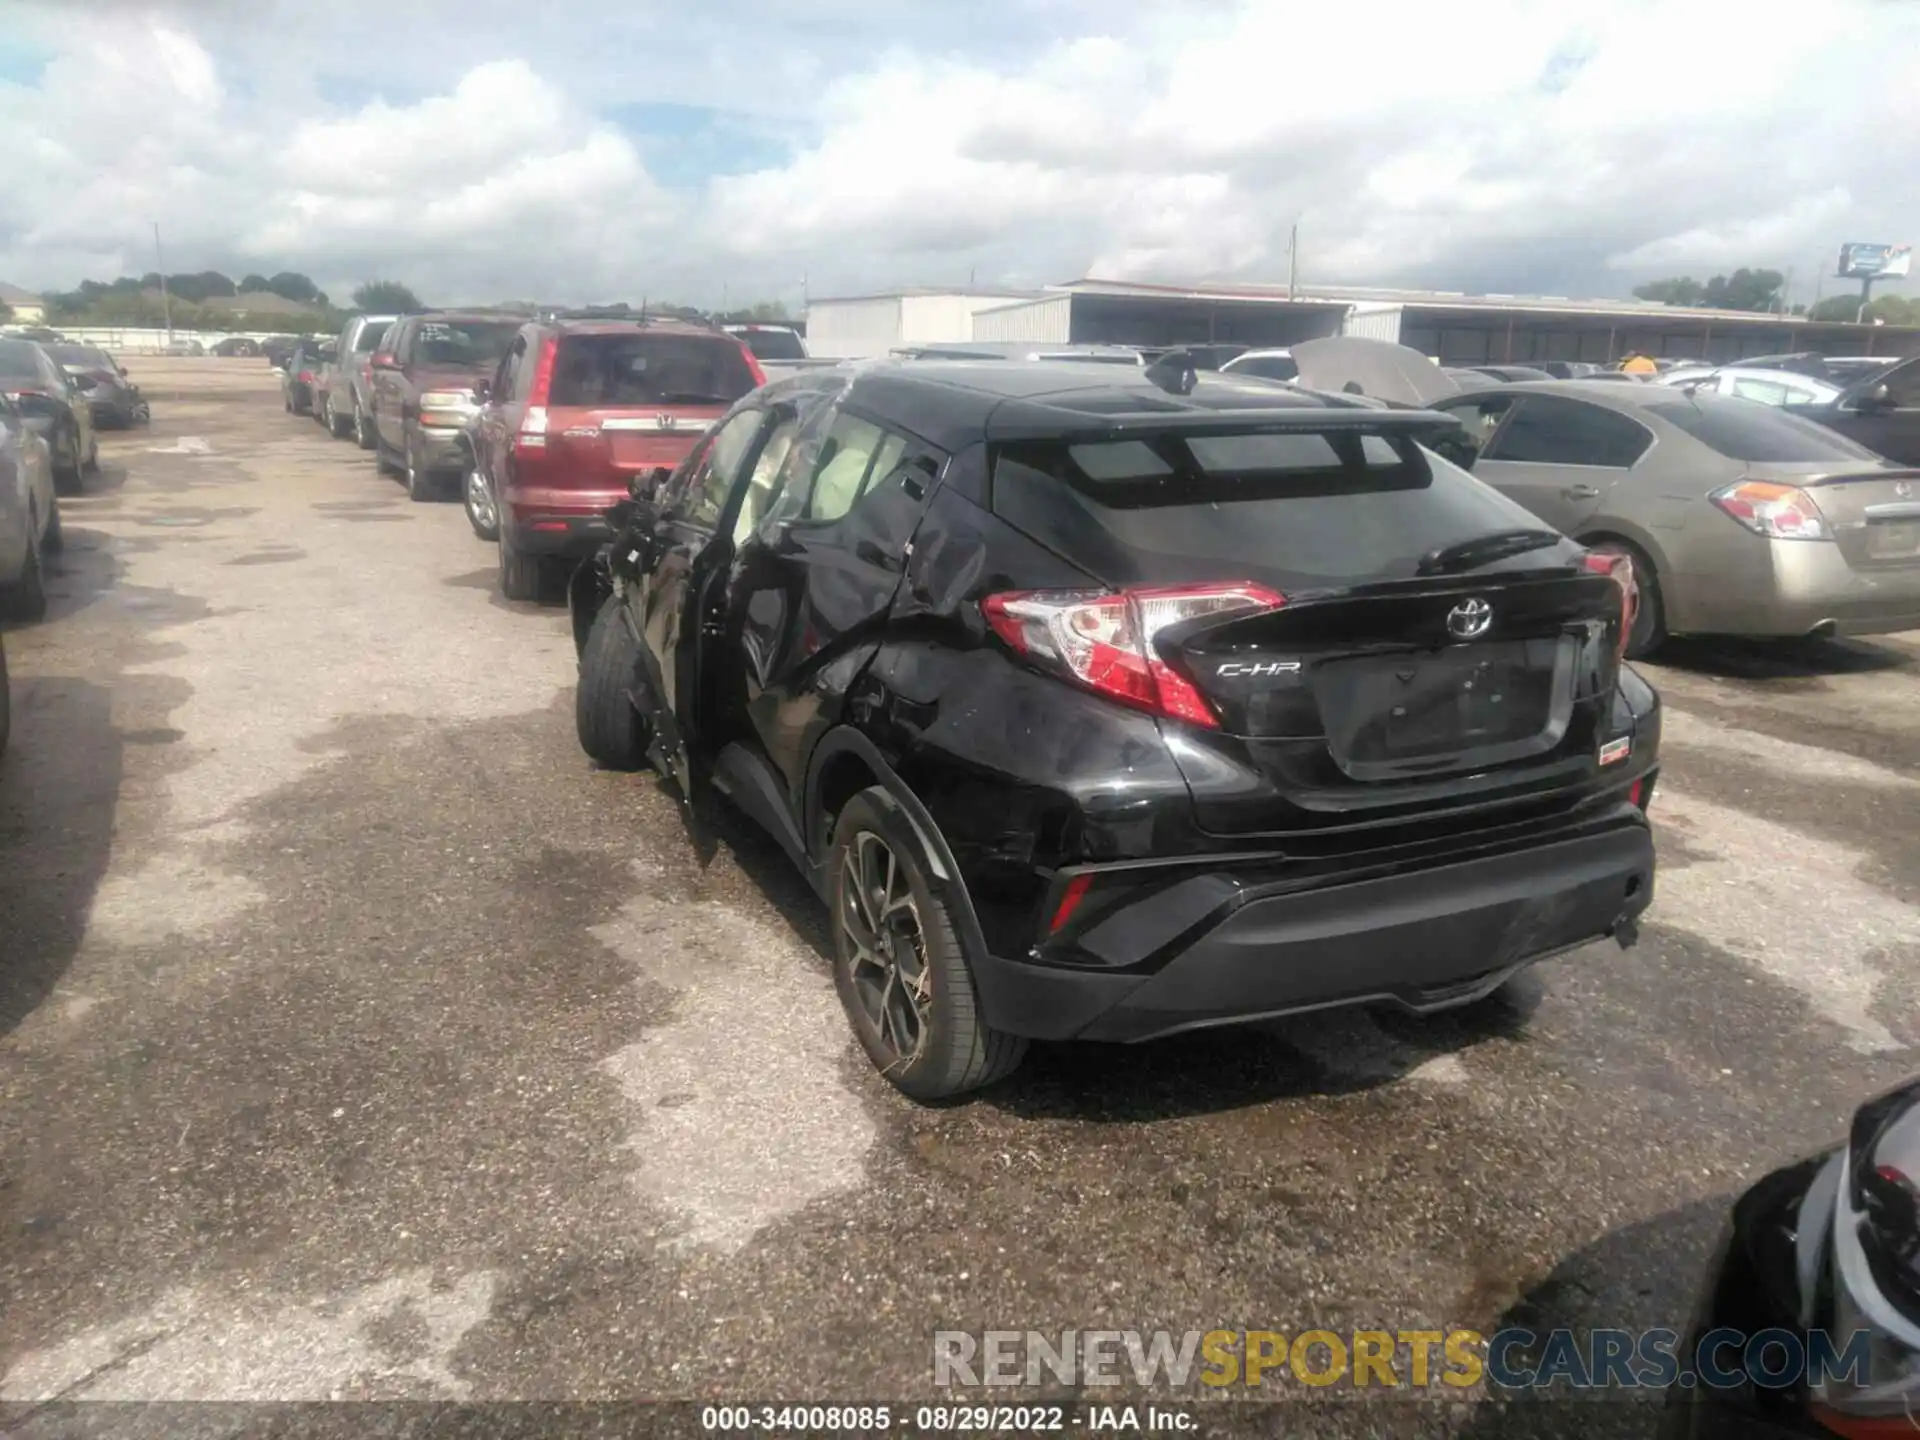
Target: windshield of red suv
column 649, row 369
column 463, row 342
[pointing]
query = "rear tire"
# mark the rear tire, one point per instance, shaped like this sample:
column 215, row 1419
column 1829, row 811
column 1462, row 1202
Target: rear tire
column 610, row 728
column 92, row 465
column 520, row 573
column 1649, row 631
column 66, row 471
column 6, row 702
column 363, row 432
column 26, row 598
column 55, row 538
column 337, row 427
column 899, row 965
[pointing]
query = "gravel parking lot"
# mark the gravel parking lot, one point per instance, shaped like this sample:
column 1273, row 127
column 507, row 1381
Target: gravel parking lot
column 346, row 1010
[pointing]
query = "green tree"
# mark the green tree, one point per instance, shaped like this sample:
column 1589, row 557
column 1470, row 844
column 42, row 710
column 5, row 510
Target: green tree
column 289, row 285
column 385, row 297
column 1744, row 290
column 253, row 284
column 1679, row 290
column 6, row 312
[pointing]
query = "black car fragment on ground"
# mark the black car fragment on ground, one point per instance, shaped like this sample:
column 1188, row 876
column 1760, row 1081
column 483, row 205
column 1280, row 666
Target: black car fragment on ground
column 1107, row 702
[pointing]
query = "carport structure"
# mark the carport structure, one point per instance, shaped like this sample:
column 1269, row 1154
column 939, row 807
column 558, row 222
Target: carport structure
column 1457, row 328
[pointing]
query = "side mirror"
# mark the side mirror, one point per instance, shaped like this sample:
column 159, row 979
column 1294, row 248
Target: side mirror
column 383, row 360
column 1878, row 398
column 482, row 391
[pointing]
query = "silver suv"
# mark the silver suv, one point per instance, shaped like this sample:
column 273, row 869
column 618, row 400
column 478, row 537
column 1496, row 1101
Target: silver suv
column 346, row 404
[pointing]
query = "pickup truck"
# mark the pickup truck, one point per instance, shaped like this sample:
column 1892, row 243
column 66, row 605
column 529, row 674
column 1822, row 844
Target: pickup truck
column 778, row 348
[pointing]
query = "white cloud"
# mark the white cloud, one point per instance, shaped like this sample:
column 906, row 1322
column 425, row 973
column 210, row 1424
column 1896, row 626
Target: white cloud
column 1505, row 144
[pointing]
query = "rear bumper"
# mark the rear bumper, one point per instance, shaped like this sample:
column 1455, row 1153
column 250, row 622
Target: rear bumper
column 1800, row 587
column 438, row 448
column 1226, row 946
column 544, row 521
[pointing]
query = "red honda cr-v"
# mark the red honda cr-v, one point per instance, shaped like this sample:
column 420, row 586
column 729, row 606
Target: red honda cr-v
column 574, row 412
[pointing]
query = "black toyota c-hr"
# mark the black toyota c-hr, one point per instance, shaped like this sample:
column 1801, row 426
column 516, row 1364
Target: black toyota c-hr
column 1106, row 703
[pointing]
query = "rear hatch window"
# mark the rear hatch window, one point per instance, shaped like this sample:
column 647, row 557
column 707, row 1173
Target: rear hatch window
column 1292, row 510
column 647, row 370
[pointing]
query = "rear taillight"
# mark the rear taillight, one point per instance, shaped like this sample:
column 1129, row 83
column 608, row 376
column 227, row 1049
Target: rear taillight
column 533, row 429
column 1105, row 639
column 753, row 367
column 1779, row 512
column 543, row 372
column 305, row 377
column 1619, row 568
column 1070, row 899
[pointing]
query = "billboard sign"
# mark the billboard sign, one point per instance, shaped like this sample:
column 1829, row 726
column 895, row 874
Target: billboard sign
column 1874, row 262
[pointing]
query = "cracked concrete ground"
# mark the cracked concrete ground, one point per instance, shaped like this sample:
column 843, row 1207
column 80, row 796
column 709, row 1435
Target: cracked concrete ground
column 358, row 1040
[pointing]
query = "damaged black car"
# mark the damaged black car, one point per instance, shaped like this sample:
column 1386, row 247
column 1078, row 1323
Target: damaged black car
column 1104, row 703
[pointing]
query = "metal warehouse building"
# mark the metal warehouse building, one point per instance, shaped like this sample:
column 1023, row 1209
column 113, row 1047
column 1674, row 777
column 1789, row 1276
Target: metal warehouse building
column 1457, row 328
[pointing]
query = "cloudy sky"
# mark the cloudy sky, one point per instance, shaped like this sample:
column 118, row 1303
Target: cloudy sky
column 490, row 149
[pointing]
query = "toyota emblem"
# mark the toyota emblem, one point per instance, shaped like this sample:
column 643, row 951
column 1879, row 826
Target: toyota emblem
column 1469, row 619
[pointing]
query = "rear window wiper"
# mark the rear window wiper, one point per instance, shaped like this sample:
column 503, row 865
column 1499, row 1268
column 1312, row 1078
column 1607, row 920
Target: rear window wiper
column 1496, row 545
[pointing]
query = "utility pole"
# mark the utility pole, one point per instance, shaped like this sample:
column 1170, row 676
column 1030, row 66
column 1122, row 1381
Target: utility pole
column 1293, row 258
column 166, row 306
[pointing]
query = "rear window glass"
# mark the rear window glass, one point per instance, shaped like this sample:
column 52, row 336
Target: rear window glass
column 773, row 344
column 19, row 358
column 1269, row 367
column 1742, row 430
column 369, row 338
column 463, row 342
column 643, row 369
column 1305, row 508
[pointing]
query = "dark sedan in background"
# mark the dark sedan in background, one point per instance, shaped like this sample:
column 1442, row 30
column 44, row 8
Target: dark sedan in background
column 54, row 406
column 300, row 377
column 113, row 398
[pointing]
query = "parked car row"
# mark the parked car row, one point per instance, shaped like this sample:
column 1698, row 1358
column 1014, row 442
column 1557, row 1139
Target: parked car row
column 539, row 425
column 53, row 393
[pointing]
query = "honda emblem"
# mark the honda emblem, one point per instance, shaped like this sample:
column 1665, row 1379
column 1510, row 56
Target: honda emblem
column 1469, row 619
column 664, row 422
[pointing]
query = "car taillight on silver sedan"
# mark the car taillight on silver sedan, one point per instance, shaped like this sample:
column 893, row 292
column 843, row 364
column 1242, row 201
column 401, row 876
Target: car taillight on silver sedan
column 1779, row 512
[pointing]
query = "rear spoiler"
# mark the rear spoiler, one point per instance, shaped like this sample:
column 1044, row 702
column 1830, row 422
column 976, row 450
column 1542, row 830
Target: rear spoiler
column 1413, row 424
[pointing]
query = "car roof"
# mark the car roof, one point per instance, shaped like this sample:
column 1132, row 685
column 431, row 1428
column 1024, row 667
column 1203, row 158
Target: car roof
column 1628, row 399
column 665, row 324
column 955, row 404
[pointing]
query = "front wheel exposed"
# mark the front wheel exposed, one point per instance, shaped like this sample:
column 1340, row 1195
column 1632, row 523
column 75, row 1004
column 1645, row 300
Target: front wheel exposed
column 610, row 729
column 363, row 435
column 899, row 964
column 1649, row 630
column 476, row 493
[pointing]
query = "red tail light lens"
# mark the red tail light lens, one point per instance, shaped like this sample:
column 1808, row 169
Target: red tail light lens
column 1779, row 512
column 1070, row 899
column 1104, row 639
column 305, row 377
column 1620, row 568
column 543, row 372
